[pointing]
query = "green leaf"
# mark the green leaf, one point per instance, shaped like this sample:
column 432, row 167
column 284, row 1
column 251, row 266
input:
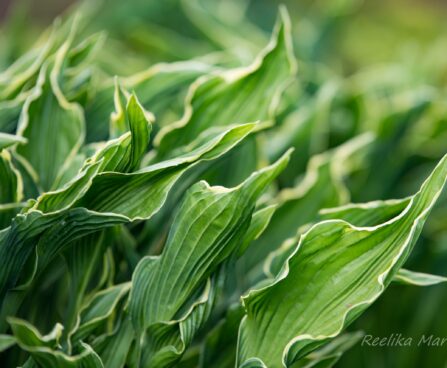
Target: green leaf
column 82, row 259
column 207, row 229
column 235, row 96
column 165, row 342
column 114, row 348
column 81, row 54
column 11, row 189
column 10, row 112
column 366, row 214
column 335, row 272
column 418, row 278
column 328, row 355
column 322, row 186
column 24, row 71
column 138, row 121
column 7, row 140
column 99, row 309
column 43, row 348
column 259, row 223
column 117, row 196
column 48, row 117
column 161, row 89
column 6, row 341
column 49, row 234
column 305, row 129
column 124, row 193
column 120, row 155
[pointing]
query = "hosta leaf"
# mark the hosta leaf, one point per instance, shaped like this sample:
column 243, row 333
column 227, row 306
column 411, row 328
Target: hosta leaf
column 137, row 120
column 235, row 96
column 418, row 278
column 10, row 111
column 99, row 309
column 43, row 348
column 7, row 140
column 259, row 223
column 114, row 348
column 392, row 130
column 367, row 214
column 26, row 68
column 49, row 234
column 124, row 193
column 71, row 170
column 305, row 129
column 53, row 231
column 160, row 89
column 118, row 123
column 276, row 259
column 48, row 117
column 165, row 342
column 124, row 153
column 82, row 259
column 329, row 354
column 80, row 54
column 27, row 334
column 29, row 177
column 207, row 229
column 11, row 189
column 308, row 303
column 138, row 223
column 11, row 186
column 160, row 302
column 6, row 341
column 17, row 81
column 321, row 187
column 65, row 197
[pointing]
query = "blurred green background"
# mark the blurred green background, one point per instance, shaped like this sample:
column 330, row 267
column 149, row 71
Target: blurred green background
column 388, row 63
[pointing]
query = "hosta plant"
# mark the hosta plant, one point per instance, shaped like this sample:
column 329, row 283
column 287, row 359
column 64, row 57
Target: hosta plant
column 198, row 213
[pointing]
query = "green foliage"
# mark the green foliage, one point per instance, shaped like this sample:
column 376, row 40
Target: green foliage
column 213, row 209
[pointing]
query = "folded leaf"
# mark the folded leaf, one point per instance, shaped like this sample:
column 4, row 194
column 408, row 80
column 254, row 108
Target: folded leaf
column 322, row 186
column 336, row 271
column 125, row 193
column 207, row 229
column 160, row 88
column 43, row 349
column 235, row 96
column 116, row 198
column 99, row 309
column 166, row 342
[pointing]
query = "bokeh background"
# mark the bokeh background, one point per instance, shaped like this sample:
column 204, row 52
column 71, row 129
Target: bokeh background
column 388, row 63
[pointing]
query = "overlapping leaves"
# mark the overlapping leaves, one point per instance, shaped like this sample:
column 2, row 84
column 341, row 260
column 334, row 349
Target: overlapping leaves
column 87, row 160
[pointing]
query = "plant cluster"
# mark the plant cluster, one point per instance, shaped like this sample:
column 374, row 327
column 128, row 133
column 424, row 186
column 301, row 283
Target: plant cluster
column 202, row 213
